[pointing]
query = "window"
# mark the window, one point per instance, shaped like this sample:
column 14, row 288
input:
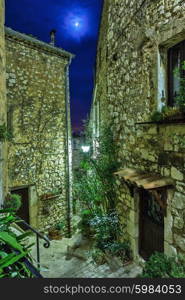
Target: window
column 176, row 55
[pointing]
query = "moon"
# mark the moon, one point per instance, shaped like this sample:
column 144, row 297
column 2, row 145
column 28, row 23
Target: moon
column 77, row 24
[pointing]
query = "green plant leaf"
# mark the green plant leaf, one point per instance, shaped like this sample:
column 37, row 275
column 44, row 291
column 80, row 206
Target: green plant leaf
column 7, row 210
column 2, row 275
column 29, row 246
column 14, row 274
column 10, row 240
column 11, row 259
column 3, row 254
column 7, row 219
column 86, row 212
column 24, row 235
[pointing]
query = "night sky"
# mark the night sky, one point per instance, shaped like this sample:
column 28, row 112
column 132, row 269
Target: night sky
column 77, row 24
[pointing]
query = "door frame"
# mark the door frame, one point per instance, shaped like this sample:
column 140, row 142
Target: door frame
column 143, row 219
column 134, row 225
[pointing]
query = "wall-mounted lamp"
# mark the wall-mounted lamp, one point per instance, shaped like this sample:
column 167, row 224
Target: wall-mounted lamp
column 85, row 148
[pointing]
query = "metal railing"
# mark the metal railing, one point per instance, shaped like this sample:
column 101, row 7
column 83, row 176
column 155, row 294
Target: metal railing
column 38, row 236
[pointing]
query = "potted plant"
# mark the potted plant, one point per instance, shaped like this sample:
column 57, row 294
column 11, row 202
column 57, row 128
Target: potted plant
column 55, row 232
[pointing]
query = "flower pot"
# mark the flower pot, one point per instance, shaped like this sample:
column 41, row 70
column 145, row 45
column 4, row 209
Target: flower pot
column 55, row 235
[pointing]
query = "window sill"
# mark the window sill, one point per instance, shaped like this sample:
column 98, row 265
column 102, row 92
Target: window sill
column 163, row 122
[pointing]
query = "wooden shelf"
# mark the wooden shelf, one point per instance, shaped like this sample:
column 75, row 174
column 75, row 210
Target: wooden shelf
column 50, row 197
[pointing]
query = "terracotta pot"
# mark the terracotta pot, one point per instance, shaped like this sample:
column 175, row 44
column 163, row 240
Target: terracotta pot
column 55, row 235
column 49, row 196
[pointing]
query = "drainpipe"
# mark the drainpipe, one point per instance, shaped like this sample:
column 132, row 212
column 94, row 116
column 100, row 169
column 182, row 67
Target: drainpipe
column 68, row 154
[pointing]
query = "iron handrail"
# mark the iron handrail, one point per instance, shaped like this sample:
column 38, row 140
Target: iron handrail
column 38, row 235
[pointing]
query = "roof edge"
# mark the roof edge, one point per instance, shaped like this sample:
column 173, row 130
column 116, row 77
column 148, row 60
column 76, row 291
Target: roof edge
column 145, row 180
column 16, row 35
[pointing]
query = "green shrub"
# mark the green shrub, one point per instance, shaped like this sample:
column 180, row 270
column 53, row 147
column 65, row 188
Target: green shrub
column 161, row 266
column 94, row 183
column 13, row 201
column 106, row 229
column 94, row 189
column 59, row 226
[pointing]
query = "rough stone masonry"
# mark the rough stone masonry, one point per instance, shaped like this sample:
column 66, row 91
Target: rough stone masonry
column 3, row 181
column 38, row 117
column 131, row 83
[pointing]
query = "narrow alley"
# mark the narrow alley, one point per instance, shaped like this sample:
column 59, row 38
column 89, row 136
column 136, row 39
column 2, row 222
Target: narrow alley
column 92, row 139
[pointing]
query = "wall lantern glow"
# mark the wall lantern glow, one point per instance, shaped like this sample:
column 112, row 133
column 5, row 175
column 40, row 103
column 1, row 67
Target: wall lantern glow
column 85, row 148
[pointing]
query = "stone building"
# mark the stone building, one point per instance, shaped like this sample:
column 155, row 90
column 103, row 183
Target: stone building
column 141, row 42
column 39, row 155
column 3, row 177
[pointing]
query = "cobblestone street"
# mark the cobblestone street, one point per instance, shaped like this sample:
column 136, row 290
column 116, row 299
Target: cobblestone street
column 57, row 262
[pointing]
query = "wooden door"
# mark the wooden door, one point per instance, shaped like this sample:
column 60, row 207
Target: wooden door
column 151, row 225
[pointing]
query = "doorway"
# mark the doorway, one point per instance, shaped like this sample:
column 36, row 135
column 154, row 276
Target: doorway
column 151, row 225
column 23, row 211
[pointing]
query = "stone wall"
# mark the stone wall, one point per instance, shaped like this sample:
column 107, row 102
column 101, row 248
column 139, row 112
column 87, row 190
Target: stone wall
column 132, row 53
column 37, row 116
column 3, row 180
